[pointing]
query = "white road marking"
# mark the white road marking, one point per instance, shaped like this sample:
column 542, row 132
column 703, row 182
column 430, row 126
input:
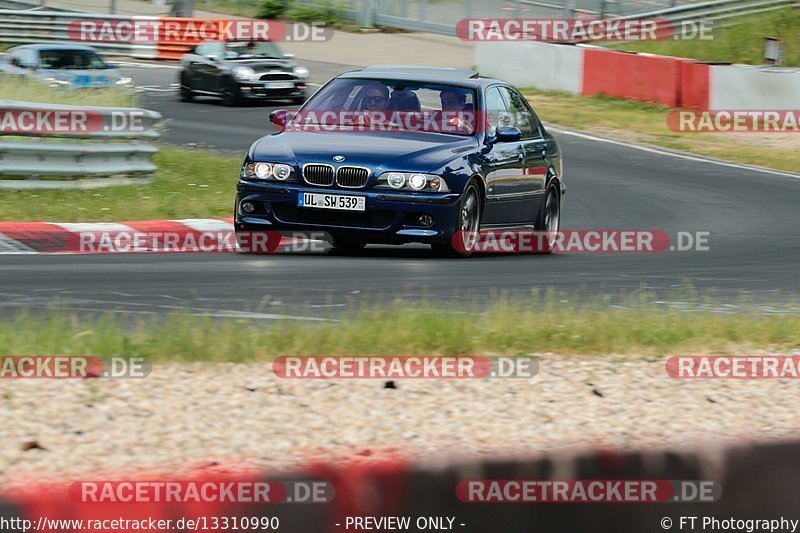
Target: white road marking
column 673, row 154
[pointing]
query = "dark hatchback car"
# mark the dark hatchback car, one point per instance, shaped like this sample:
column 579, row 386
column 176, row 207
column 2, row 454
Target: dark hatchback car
column 498, row 169
column 239, row 71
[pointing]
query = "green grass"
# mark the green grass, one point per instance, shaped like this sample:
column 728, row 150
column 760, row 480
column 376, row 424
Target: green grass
column 542, row 324
column 187, row 184
column 647, row 124
column 27, row 90
column 743, row 43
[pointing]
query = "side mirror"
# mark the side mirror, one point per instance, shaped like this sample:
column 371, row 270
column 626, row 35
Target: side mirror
column 507, row 134
column 279, row 118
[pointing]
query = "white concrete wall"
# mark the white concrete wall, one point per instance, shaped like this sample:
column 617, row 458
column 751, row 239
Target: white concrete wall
column 750, row 88
column 532, row 64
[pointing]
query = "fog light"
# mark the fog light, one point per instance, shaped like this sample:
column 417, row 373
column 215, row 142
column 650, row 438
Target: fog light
column 425, row 220
column 248, row 207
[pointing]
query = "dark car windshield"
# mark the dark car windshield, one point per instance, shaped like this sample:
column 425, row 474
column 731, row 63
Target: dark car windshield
column 71, row 59
column 395, row 100
column 252, row 50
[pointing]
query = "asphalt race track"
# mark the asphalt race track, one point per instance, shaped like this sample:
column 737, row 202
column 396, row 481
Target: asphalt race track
column 751, row 216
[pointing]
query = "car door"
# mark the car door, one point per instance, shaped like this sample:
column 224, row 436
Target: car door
column 533, row 175
column 504, row 165
column 205, row 65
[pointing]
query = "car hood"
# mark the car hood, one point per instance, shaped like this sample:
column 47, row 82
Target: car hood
column 83, row 78
column 378, row 151
column 264, row 65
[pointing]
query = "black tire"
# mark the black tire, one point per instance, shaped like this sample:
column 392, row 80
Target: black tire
column 229, row 93
column 467, row 226
column 348, row 244
column 549, row 219
column 186, row 92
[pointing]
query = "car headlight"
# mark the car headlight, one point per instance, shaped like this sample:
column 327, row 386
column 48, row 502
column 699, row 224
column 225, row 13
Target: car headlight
column 123, row 81
column 300, row 71
column 267, row 171
column 396, row 180
column 243, row 73
column 281, row 171
column 53, row 82
column 412, row 181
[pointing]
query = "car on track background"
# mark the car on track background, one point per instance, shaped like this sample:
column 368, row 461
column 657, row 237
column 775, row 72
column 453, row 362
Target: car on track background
column 62, row 65
column 479, row 158
column 238, row 71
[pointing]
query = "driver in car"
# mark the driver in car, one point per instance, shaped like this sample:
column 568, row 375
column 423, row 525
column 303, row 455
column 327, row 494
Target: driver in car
column 375, row 100
column 454, row 101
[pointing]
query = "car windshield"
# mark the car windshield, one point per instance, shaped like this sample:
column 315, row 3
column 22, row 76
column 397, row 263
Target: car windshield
column 71, row 59
column 252, row 50
column 430, row 105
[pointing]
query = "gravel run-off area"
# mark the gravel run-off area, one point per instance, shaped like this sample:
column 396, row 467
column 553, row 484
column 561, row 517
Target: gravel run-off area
column 195, row 416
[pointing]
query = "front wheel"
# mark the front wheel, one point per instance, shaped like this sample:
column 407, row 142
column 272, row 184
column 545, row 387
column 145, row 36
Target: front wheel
column 549, row 219
column 186, row 92
column 468, row 225
column 229, row 93
column 348, row 244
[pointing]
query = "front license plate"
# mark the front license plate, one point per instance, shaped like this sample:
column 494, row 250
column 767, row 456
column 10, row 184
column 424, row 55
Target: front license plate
column 279, row 85
column 332, row 201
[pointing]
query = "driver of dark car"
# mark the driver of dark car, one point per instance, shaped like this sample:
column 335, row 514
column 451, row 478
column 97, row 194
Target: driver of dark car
column 376, row 97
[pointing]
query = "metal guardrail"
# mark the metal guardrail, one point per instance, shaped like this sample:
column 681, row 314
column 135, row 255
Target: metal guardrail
column 441, row 16
column 716, row 10
column 52, row 27
column 41, row 159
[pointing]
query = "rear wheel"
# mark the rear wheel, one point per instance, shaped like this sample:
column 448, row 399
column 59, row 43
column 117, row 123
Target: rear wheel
column 467, row 227
column 549, row 219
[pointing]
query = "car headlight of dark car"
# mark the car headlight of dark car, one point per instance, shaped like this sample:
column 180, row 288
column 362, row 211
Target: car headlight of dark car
column 300, row 71
column 412, row 181
column 243, row 73
column 267, row 171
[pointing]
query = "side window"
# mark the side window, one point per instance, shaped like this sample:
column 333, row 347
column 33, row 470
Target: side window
column 524, row 119
column 29, row 58
column 496, row 110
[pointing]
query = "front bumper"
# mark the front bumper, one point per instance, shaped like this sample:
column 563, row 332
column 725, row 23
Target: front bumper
column 390, row 216
column 257, row 90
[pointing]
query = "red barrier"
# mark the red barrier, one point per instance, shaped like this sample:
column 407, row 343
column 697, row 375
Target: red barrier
column 694, row 85
column 653, row 79
column 171, row 48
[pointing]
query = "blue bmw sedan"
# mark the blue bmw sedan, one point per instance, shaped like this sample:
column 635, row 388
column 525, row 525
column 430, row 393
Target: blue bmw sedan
column 401, row 154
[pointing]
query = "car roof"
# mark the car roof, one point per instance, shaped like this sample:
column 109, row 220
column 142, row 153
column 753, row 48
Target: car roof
column 445, row 76
column 54, row 46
